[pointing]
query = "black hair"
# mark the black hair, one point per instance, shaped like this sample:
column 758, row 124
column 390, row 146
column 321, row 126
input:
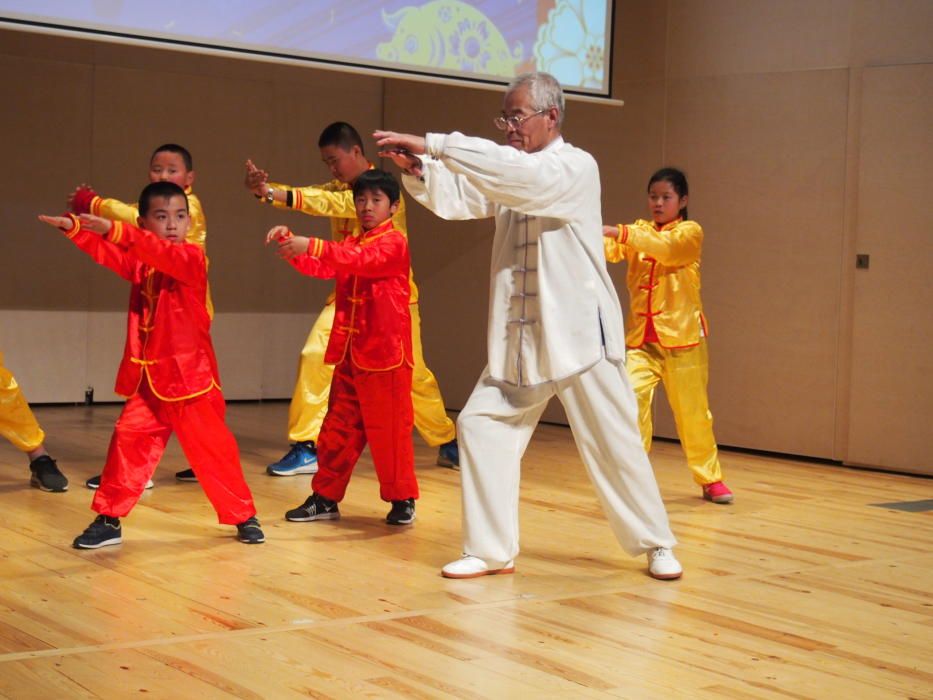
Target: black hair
column 678, row 181
column 340, row 134
column 370, row 180
column 175, row 148
column 159, row 189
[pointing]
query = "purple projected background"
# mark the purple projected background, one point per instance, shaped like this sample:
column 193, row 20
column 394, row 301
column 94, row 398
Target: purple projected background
column 488, row 39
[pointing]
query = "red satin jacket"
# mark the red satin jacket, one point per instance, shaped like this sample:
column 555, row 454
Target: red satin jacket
column 372, row 321
column 168, row 337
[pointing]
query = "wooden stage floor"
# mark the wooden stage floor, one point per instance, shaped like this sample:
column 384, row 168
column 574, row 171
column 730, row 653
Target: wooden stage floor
column 801, row 589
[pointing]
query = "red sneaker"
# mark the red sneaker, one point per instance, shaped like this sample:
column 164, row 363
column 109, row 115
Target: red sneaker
column 717, row 492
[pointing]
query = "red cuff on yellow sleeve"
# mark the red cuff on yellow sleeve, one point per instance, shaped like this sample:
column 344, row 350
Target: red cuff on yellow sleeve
column 95, row 205
column 297, row 199
column 623, row 234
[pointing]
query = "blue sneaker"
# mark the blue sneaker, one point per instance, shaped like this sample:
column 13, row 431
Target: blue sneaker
column 301, row 459
column 449, row 455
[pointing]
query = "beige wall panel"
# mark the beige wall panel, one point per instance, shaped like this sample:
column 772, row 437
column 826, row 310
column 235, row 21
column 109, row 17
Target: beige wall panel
column 766, row 160
column 284, row 336
column 106, row 338
column 46, row 122
column 46, row 47
column 724, row 37
column 183, row 62
column 892, row 366
column 45, row 351
column 889, row 32
column 240, row 344
column 257, row 353
column 639, row 41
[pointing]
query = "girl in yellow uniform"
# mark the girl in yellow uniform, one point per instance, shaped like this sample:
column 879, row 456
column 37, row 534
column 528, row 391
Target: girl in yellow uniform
column 667, row 330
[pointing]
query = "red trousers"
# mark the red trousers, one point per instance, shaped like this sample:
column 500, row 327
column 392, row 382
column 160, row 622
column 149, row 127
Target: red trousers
column 374, row 408
column 139, row 439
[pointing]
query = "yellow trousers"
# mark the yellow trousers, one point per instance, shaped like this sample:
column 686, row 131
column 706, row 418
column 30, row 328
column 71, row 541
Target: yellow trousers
column 17, row 423
column 685, row 373
column 309, row 402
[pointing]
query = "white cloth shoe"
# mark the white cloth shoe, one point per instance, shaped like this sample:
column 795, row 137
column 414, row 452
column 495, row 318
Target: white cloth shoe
column 662, row 564
column 469, row 566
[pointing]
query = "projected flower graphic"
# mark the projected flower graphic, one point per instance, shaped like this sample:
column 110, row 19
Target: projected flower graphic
column 448, row 34
column 572, row 44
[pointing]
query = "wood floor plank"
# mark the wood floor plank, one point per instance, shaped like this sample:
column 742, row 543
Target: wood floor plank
column 800, row 589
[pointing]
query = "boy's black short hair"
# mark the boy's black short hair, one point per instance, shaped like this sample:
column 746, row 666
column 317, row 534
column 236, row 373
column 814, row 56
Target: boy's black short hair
column 175, row 148
column 159, row 189
column 340, row 134
column 380, row 180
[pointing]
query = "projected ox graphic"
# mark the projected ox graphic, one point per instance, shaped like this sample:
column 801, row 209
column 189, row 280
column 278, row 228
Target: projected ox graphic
column 449, row 35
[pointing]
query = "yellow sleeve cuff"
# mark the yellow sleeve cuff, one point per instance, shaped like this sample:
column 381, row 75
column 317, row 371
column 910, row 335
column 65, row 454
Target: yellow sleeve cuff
column 115, row 234
column 75, row 226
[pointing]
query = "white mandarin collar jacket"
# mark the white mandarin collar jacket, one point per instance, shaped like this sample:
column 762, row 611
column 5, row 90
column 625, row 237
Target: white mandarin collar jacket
column 553, row 309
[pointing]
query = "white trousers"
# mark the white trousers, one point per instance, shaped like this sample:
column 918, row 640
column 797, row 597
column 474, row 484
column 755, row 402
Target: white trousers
column 494, row 429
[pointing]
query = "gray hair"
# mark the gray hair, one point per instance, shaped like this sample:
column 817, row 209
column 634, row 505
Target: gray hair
column 544, row 90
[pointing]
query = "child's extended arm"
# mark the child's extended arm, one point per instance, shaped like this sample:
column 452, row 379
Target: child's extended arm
column 315, row 200
column 294, row 249
column 84, row 200
column 86, row 232
column 674, row 247
column 615, row 250
column 378, row 257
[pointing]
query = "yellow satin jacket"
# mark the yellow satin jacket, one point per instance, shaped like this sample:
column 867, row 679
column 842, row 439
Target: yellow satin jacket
column 663, row 280
column 335, row 200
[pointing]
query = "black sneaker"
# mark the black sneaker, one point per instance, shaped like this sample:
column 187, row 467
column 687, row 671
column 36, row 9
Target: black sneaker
column 186, row 475
column 94, row 483
column 46, row 476
column 316, row 507
column 402, row 513
column 249, row 532
column 102, row 532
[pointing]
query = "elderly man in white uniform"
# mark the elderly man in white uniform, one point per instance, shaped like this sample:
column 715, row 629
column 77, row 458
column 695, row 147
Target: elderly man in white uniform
column 555, row 325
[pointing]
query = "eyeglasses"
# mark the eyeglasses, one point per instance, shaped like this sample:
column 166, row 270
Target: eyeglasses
column 515, row 123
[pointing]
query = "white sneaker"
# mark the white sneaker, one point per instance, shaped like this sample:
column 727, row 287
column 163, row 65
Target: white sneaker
column 662, row 564
column 469, row 566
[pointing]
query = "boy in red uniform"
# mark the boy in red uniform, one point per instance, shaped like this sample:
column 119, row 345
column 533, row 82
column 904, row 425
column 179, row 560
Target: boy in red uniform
column 168, row 372
column 168, row 163
column 370, row 346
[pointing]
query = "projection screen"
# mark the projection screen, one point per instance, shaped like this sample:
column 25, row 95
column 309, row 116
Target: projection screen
column 477, row 40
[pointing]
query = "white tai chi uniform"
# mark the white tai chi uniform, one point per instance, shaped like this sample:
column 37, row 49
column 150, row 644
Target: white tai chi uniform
column 555, row 328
